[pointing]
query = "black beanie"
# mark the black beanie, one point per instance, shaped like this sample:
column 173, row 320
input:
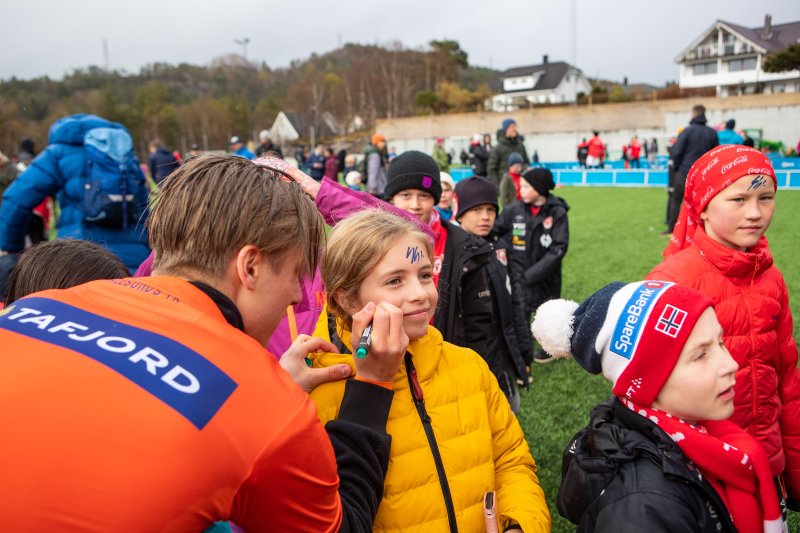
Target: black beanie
column 540, row 179
column 413, row 170
column 473, row 192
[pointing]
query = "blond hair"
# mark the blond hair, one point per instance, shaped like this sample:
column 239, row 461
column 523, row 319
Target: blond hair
column 214, row 205
column 355, row 247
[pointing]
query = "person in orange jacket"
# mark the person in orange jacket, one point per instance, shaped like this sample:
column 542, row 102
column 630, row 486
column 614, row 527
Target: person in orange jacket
column 151, row 404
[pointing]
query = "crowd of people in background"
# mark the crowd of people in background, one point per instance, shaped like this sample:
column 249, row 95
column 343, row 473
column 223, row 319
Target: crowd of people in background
column 452, row 289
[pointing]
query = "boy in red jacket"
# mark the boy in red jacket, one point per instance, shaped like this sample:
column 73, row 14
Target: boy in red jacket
column 718, row 247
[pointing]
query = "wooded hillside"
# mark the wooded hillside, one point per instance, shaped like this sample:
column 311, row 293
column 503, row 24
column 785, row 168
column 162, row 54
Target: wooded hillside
column 184, row 104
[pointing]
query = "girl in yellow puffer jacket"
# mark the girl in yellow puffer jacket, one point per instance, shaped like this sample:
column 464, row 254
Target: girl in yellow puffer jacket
column 454, row 437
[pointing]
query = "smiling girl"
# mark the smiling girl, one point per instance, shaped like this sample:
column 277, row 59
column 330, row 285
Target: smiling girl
column 454, row 437
column 718, row 247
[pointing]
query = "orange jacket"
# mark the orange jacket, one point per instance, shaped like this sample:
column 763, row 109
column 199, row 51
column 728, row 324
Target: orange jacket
column 752, row 305
column 132, row 405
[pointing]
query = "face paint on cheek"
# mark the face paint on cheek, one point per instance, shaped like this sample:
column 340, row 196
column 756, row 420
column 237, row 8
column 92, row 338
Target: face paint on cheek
column 414, row 254
column 757, row 183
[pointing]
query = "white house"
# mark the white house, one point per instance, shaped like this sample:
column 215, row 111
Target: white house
column 292, row 126
column 729, row 58
column 548, row 83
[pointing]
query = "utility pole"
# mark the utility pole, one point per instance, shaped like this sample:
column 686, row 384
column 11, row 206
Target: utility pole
column 106, row 61
column 573, row 27
column 574, row 47
column 243, row 43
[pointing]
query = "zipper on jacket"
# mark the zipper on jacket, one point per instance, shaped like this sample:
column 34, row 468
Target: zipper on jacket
column 753, row 359
column 419, row 403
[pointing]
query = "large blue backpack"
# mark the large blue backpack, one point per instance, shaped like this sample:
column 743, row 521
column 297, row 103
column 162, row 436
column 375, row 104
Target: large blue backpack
column 114, row 193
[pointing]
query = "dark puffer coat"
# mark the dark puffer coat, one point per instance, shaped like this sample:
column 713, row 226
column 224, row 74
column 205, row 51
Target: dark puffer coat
column 479, row 159
column 538, row 245
column 498, row 159
column 464, row 314
column 693, row 142
column 622, row 473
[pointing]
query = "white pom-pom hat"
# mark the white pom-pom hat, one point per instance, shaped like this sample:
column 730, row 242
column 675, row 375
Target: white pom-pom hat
column 552, row 327
column 631, row 333
column 353, row 178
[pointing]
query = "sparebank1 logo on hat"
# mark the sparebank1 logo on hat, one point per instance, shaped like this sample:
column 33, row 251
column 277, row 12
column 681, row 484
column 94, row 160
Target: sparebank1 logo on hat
column 630, row 324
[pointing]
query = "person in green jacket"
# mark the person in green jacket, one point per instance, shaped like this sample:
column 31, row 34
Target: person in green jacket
column 508, row 142
column 440, row 155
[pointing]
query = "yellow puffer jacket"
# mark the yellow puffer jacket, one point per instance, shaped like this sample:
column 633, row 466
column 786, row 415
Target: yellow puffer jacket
column 481, row 443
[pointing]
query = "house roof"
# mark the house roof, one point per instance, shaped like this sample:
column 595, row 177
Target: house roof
column 303, row 121
column 552, row 74
column 782, row 35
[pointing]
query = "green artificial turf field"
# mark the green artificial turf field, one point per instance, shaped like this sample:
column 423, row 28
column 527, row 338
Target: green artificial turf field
column 614, row 235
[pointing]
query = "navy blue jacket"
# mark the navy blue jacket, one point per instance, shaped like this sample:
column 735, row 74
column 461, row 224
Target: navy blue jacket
column 316, row 172
column 161, row 164
column 537, row 245
column 61, row 171
column 693, row 142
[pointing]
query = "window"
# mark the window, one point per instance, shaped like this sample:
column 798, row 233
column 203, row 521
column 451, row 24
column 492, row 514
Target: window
column 704, row 68
column 729, row 40
column 735, row 65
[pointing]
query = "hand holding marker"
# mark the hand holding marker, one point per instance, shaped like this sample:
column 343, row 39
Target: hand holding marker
column 365, row 342
column 379, row 328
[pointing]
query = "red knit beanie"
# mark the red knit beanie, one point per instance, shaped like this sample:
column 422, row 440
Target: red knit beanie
column 633, row 333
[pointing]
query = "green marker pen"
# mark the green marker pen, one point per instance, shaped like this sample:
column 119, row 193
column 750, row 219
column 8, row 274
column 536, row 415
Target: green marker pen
column 365, row 342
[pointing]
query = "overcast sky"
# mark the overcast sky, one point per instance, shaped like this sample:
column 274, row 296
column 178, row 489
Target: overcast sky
column 615, row 38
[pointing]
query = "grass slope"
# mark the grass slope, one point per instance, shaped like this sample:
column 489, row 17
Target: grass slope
column 614, row 236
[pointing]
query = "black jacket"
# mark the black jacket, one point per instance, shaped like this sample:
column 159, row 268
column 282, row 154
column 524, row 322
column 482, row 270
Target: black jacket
column 515, row 342
column 498, row 159
column 622, row 473
column 464, row 314
column 479, row 159
column 269, row 147
column 537, row 244
column 693, row 142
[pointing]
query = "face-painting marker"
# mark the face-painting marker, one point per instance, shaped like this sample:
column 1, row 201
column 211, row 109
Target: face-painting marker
column 365, row 342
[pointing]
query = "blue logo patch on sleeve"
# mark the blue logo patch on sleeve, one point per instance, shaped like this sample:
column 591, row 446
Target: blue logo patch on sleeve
column 170, row 371
column 629, row 326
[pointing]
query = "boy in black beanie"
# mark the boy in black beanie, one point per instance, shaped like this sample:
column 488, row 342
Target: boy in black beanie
column 465, row 315
column 511, row 343
column 538, row 231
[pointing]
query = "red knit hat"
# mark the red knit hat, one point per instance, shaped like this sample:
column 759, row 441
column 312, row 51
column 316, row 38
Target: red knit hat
column 713, row 172
column 633, row 333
